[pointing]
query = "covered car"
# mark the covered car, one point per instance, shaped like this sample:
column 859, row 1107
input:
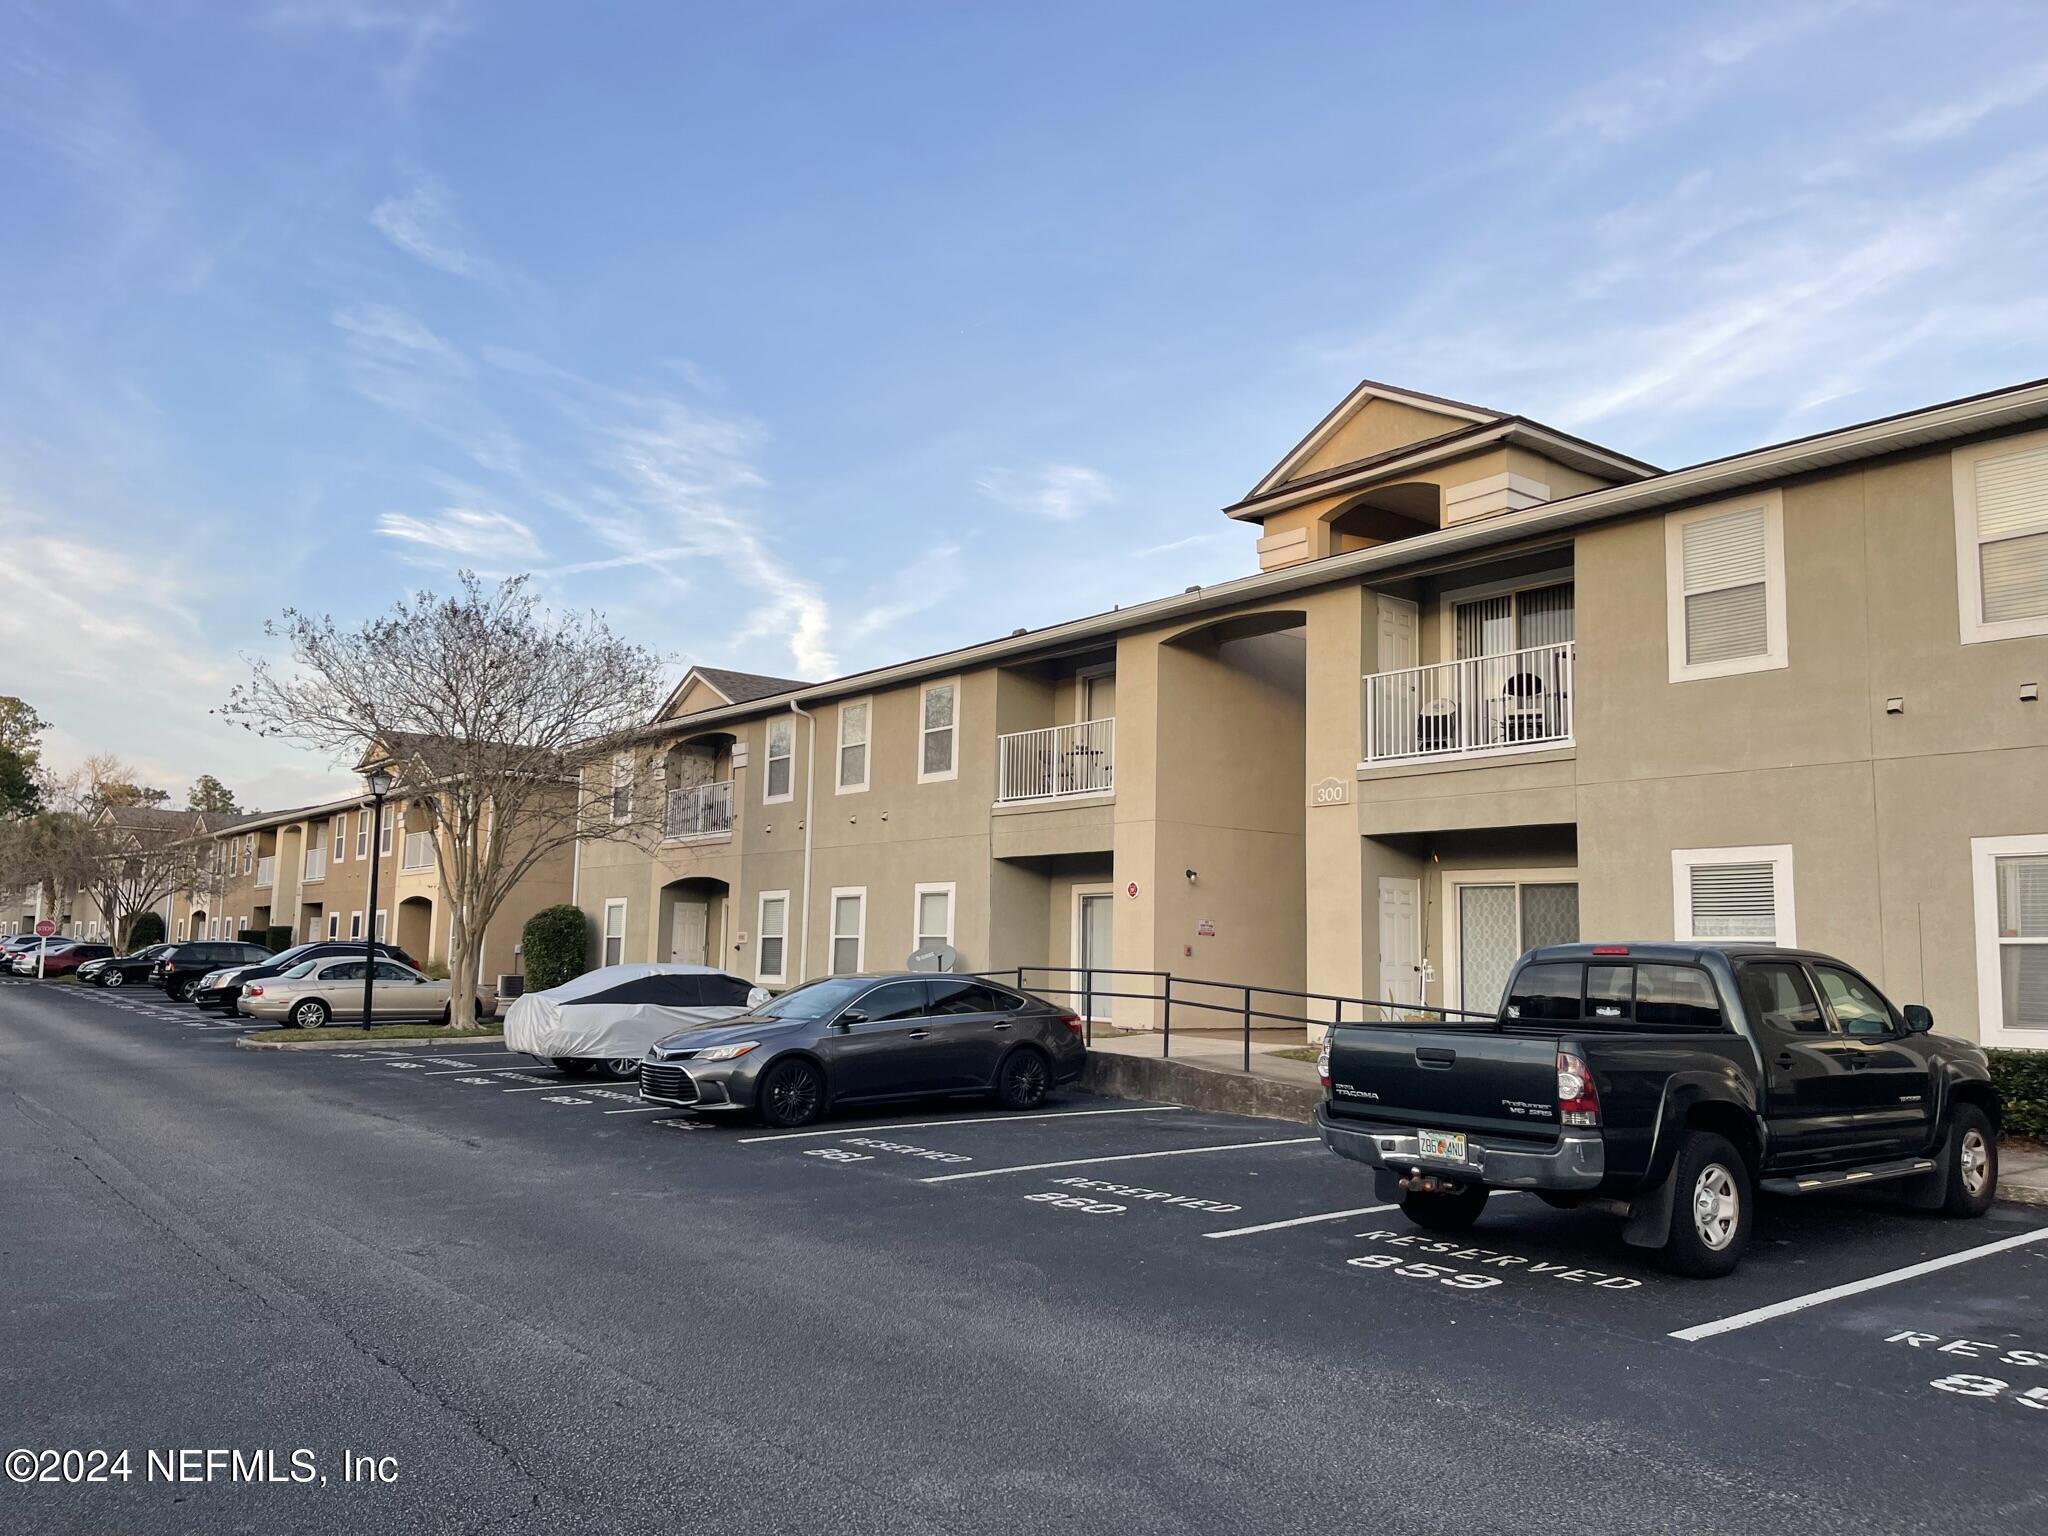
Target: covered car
column 610, row 1017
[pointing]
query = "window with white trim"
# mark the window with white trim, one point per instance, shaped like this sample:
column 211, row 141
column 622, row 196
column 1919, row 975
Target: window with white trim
column 1729, row 895
column 849, row 930
column 355, row 925
column 2010, row 875
column 2001, row 493
column 341, row 838
column 778, row 782
column 853, row 745
column 771, row 950
column 248, row 855
column 938, row 736
column 380, row 927
column 1724, row 572
column 614, row 932
column 931, row 916
column 622, row 786
column 333, row 926
column 384, row 833
column 362, row 834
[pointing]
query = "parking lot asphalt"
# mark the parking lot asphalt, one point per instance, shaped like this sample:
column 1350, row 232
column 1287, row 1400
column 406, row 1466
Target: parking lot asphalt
column 555, row 1308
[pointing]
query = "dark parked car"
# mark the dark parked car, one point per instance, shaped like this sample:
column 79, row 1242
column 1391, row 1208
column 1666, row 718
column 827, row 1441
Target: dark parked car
column 1667, row 1083
column 61, row 958
column 179, row 968
column 222, row 983
column 121, row 970
column 859, row 1039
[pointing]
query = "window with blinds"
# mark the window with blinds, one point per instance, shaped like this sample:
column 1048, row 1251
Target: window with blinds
column 1725, row 574
column 2002, row 512
column 1733, row 894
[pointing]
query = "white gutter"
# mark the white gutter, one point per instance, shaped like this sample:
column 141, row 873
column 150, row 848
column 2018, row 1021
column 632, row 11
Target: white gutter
column 803, row 952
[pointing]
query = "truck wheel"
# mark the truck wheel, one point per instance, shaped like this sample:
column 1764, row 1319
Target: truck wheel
column 1972, row 1162
column 1711, row 1216
column 1445, row 1212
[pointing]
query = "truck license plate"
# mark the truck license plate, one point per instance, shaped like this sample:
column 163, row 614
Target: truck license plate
column 1446, row 1145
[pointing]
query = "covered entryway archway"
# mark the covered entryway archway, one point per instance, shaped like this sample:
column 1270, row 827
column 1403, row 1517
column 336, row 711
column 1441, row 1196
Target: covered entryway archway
column 693, row 922
column 416, row 927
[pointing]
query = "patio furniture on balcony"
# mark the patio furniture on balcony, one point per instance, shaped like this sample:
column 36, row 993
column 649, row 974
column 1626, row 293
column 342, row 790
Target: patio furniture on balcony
column 1056, row 762
column 699, row 811
column 1470, row 707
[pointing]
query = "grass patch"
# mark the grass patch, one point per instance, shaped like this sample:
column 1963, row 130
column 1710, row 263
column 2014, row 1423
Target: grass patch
column 1299, row 1053
column 376, row 1032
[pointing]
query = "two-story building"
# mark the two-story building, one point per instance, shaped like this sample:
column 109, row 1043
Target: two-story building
column 1492, row 686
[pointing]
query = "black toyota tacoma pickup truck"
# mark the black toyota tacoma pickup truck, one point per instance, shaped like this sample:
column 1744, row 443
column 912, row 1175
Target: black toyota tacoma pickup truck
column 1666, row 1083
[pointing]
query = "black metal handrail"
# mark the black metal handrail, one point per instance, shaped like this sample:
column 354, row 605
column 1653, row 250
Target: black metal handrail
column 1168, row 991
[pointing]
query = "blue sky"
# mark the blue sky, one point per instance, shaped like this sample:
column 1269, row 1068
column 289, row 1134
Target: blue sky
column 800, row 337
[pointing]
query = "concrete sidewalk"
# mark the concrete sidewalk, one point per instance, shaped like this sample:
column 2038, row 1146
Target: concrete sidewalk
column 2023, row 1172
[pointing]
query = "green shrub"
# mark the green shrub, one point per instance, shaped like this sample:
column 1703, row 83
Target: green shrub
column 434, row 970
column 556, row 946
column 277, row 939
column 254, row 936
column 2022, row 1081
column 146, row 928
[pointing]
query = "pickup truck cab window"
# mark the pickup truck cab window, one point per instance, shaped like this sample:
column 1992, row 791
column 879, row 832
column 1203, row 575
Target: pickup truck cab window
column 1611, row 993
column 1781, row 999
column 1676, row 997
column 1546, row 994
column 1857, row 1008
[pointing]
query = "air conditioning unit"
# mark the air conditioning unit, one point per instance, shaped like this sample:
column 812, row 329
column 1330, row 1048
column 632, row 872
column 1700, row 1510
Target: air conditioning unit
column 510, row 987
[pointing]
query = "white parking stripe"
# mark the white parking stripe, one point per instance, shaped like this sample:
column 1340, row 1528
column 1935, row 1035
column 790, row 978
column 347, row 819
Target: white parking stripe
column 1303, row 1221
column 918, row 1125
column 545, row 1088
column 477, row 1071
column 1700, row 1331
column 1124, row 1157
column 649, row 1109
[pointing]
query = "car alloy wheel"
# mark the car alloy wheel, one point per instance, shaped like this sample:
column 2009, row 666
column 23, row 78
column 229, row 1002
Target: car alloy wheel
column 623, row 1066
column 792, row 1093
column 1716, row 1206
column 309, row 1014
column 1976, row 1162
column 1024, row 1080
column 112, row 979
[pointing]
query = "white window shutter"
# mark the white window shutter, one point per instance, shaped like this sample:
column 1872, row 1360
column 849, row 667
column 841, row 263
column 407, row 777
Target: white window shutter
column 2012, row 534
column 1734, row 901
column 1724, row 574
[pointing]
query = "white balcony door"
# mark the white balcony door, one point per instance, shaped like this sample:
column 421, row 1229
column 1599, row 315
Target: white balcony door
column 1397, row 643
column 689, row 932
column 1400, row 941
column 1094, row 948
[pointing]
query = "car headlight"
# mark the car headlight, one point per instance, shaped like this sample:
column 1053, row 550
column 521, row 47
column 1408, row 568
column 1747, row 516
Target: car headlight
column 726, row 1052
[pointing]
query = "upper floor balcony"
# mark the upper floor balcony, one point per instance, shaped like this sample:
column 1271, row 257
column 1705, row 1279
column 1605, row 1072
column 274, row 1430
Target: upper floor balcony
column 266, row 871
column 316, row 863
column 1478, row 706
column 1056, row 762
column 418, row 851
column 699, row 811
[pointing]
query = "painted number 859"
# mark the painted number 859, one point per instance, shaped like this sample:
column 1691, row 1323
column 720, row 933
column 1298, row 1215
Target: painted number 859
column 1437, row 1272
column 1991, row 1386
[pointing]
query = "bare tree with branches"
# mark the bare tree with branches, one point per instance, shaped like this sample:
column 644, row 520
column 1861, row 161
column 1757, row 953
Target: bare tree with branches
column 488, row 709
column 100, row 835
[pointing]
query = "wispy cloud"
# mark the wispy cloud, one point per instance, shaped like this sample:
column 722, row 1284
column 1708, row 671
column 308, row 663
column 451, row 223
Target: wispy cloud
column 395, row 360
column 410, row 33
column 421, row 222
column 475, row 535
column 1062, row 492
column 1953, row 119
column 928, row 581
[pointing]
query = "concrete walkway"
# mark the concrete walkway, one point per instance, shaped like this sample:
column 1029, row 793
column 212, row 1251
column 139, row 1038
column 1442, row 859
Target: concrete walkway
column 2023, row 1172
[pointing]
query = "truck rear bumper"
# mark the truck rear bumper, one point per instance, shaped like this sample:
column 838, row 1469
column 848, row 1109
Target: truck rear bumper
column 1577, row 1162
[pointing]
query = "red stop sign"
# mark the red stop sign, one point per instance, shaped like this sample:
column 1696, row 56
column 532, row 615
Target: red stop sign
column 44, row 928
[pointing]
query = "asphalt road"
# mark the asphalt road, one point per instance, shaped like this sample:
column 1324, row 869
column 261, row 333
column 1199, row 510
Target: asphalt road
column 552, row 1310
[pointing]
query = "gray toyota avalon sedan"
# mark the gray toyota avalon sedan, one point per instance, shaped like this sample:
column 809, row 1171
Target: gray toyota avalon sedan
column 858, row 1039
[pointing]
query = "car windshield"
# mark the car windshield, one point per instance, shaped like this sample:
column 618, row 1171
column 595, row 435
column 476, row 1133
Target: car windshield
column 815, row 999
column 303, row 968
column 286, row 957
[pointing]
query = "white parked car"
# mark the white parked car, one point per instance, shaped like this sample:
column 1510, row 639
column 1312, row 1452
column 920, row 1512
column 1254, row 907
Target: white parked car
column 609, row 1017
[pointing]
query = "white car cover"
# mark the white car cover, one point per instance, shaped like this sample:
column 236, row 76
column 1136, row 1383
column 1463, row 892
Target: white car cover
column 619, row 1011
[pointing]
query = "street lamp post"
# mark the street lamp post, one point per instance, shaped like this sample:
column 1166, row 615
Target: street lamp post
column 380, row 786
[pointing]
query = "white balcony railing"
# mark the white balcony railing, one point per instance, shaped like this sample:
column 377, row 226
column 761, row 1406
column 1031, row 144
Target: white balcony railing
column 1483, row 704
column 316, row 863
column 1056, row 762
column 702, row 810
column 266, row 870
column 418, row 852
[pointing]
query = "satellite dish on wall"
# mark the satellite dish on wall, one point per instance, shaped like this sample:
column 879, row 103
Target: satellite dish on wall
column 938, row 957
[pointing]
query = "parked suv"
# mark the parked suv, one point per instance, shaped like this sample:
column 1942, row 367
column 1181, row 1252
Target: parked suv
column 223, row 986
column 1667, row 1083
column 179, row 968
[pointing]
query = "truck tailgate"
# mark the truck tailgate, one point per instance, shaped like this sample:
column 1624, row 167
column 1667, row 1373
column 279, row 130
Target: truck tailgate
column 1445, row 1080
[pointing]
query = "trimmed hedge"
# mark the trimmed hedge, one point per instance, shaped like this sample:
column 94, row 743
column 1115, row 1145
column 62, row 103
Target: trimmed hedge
column 2021, row 1078
column 277, row 940
column 146, row 929
column 556, row 946
column 255, row 936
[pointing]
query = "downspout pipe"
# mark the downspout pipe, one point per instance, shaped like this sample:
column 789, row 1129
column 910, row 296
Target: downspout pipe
column 803, row 950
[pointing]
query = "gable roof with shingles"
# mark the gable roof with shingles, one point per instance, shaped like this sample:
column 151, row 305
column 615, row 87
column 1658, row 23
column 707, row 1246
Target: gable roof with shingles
column 745, row 687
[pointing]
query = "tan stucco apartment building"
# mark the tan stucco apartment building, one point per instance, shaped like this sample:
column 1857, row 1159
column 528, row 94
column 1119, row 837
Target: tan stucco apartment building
column 1492, row 686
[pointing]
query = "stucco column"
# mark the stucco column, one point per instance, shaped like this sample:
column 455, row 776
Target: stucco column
column 1340, row 915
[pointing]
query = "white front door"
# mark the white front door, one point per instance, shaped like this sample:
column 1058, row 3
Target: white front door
column 689, row 928
column 1094, row 947
column 1400, row 941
